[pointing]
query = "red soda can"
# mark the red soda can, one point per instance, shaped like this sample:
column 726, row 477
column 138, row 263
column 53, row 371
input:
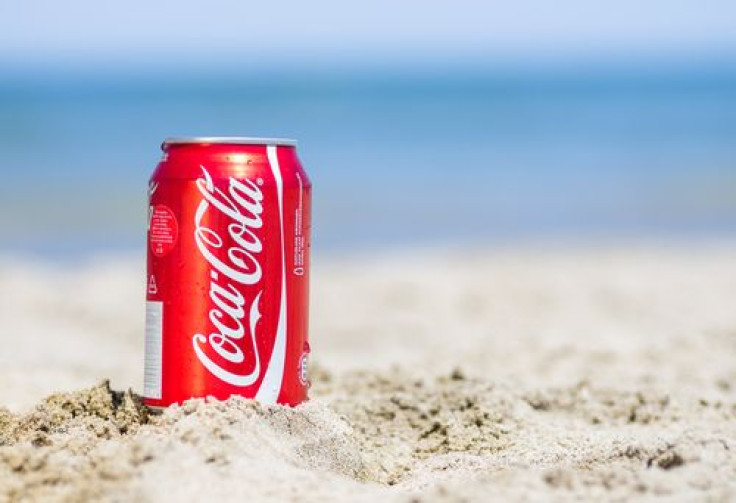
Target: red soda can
column 228, row 272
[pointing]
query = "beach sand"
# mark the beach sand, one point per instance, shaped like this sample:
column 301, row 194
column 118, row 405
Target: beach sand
column 527, row 373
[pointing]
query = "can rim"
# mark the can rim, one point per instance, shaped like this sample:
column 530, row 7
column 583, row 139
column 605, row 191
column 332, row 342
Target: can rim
column 228, row 140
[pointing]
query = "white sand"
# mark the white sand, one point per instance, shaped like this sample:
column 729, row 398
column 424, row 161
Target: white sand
column 594, row 374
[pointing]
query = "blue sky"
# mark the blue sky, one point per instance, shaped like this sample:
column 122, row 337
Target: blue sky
column 145, row 32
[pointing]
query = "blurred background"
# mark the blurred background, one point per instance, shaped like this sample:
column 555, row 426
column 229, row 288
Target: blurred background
column 420, row 123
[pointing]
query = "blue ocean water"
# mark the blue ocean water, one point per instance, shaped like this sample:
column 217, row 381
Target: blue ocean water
column 395, row 158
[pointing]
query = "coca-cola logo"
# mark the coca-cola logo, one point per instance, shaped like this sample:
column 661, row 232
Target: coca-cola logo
column 233, row 260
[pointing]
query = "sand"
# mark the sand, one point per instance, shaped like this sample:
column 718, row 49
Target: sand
column 527, row 373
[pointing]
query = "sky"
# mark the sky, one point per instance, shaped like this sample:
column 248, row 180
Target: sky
column 146, row 32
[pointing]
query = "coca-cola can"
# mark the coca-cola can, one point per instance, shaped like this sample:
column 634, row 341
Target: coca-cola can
column 229, row 223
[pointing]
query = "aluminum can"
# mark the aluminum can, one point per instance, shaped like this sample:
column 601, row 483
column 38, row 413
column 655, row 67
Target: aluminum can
column 227, row 302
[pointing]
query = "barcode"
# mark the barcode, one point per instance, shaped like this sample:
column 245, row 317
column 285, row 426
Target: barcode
column 154, row 349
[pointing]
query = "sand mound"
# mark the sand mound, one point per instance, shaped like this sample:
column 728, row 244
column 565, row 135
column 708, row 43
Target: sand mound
column 98, row 443
column 369, row 435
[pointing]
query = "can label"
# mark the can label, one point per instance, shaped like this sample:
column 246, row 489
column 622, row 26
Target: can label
column 163, row 230
column 154, row 348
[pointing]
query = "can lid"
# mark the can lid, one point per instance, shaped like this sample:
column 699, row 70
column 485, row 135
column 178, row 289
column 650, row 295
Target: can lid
column 228, row 140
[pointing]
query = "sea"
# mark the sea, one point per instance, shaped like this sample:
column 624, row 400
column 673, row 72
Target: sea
column 397, row 158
